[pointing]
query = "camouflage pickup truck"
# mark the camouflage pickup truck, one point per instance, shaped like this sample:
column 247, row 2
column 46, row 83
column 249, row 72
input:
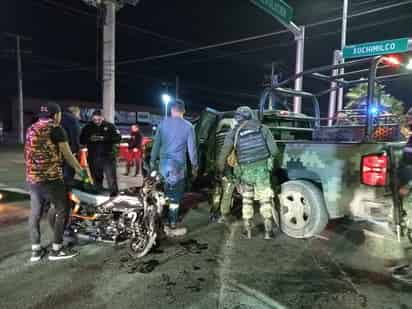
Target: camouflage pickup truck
column 324, row 172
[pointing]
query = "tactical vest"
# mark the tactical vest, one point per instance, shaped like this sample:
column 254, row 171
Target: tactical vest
column 407, row 153
column 43, row 159
column 251, row 145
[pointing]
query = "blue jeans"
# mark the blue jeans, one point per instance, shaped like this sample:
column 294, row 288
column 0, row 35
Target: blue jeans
column 174, row 173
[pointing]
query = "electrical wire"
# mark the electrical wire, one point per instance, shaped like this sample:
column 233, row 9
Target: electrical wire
column 255, row 37
column 73, row 12
column 232, row 42
column 254, row 50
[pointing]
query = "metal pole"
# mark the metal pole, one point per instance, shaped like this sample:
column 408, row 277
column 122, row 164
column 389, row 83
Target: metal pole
column 370, row 99
column 272, row 73
column 332, row 95
column 20, row 88
column 342, row 45
column 300, row 39
column 109, row 37
column 177, row 87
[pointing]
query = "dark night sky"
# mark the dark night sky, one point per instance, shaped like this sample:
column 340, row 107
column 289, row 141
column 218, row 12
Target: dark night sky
column 64, row 35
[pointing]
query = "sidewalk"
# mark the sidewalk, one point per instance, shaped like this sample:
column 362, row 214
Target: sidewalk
column 12, row 170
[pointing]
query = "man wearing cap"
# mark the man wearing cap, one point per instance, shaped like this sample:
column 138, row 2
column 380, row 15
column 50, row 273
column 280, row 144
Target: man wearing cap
column 100, row 138
column 255, row 149
column 175, row 137
column 45, row 149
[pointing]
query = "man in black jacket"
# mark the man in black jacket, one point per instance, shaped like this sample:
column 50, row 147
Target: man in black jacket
column 71, row 124
column 100, row 138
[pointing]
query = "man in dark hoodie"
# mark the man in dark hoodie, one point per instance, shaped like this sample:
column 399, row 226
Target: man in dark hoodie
column 100, row 138
column 70, row 123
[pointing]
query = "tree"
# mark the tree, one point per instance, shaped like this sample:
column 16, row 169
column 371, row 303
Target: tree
column 357, row 99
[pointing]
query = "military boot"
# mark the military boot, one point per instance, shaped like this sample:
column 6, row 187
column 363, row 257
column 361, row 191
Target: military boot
column 268, row 228
column 247, row 223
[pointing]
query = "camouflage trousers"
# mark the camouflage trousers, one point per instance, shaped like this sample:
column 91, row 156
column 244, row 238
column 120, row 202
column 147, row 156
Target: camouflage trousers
column 255, row 179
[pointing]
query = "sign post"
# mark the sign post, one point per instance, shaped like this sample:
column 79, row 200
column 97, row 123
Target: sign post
column 375, row 48
column 282, row 12
column 277, row 8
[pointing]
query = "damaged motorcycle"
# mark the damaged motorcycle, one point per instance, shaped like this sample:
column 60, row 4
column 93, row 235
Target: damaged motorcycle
column 134, row 216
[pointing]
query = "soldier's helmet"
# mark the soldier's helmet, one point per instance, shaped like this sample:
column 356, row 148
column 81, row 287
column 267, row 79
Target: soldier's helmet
column 243, row 113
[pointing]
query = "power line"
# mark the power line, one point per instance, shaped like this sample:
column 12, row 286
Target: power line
column 73, row 11
column 256, row 37
column 371, row 11
column 289, row 43
column 286, row 44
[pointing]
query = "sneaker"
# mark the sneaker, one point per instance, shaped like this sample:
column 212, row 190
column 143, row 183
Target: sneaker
column 62, row 254
column 174, row 231
column 37, row 255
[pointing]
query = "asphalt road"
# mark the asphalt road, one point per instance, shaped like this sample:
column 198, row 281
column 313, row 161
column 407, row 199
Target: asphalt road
column 212, row 267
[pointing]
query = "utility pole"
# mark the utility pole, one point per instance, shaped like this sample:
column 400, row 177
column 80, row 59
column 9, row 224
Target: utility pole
column 342, row 45
column 109, row 46
column 20, row 109
column 20, row 87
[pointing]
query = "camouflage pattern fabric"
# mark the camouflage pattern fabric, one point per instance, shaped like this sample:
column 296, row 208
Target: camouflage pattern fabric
column 43, row 159
column 255, row 184
column 336, row 167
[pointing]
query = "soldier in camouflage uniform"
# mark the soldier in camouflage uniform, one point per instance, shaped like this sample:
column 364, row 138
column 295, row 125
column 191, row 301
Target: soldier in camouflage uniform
column 255, row 147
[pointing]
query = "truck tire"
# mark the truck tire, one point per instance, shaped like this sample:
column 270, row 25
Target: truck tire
column 302, row 209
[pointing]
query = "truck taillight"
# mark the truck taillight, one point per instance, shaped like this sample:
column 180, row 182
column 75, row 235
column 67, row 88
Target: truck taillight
column 374, row 170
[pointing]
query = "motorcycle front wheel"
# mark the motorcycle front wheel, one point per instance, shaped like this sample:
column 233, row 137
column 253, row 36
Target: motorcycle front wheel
column 140, row 246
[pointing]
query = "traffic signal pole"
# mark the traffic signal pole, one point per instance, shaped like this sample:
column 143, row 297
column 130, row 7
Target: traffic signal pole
column 333, row 85
column 343, row 44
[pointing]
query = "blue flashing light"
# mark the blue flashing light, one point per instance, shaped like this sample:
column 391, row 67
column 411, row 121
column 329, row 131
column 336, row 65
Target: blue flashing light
column 374, row 110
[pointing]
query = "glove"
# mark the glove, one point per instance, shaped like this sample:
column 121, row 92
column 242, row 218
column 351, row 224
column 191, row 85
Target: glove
column 84, row 175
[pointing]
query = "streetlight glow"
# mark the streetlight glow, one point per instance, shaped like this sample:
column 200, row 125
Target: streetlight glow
column 166, row 98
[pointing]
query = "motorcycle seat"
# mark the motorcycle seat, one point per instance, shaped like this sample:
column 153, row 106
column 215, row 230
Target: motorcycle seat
column 89, row 198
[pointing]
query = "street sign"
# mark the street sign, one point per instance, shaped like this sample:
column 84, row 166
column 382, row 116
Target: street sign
column 376, row 48
column 277, row 8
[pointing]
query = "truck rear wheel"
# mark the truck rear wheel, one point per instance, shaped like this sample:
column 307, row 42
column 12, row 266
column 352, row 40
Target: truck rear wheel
column 302, row 209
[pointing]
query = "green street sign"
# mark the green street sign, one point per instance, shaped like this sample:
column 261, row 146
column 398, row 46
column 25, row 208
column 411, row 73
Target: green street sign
column 376, row 48
column 277, row 8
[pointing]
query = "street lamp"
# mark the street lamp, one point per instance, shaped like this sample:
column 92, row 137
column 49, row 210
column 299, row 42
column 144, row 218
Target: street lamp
column 166, row 98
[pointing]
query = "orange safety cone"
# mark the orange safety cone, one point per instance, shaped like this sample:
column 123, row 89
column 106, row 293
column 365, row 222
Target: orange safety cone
column 83, row 158
column 84, row 164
